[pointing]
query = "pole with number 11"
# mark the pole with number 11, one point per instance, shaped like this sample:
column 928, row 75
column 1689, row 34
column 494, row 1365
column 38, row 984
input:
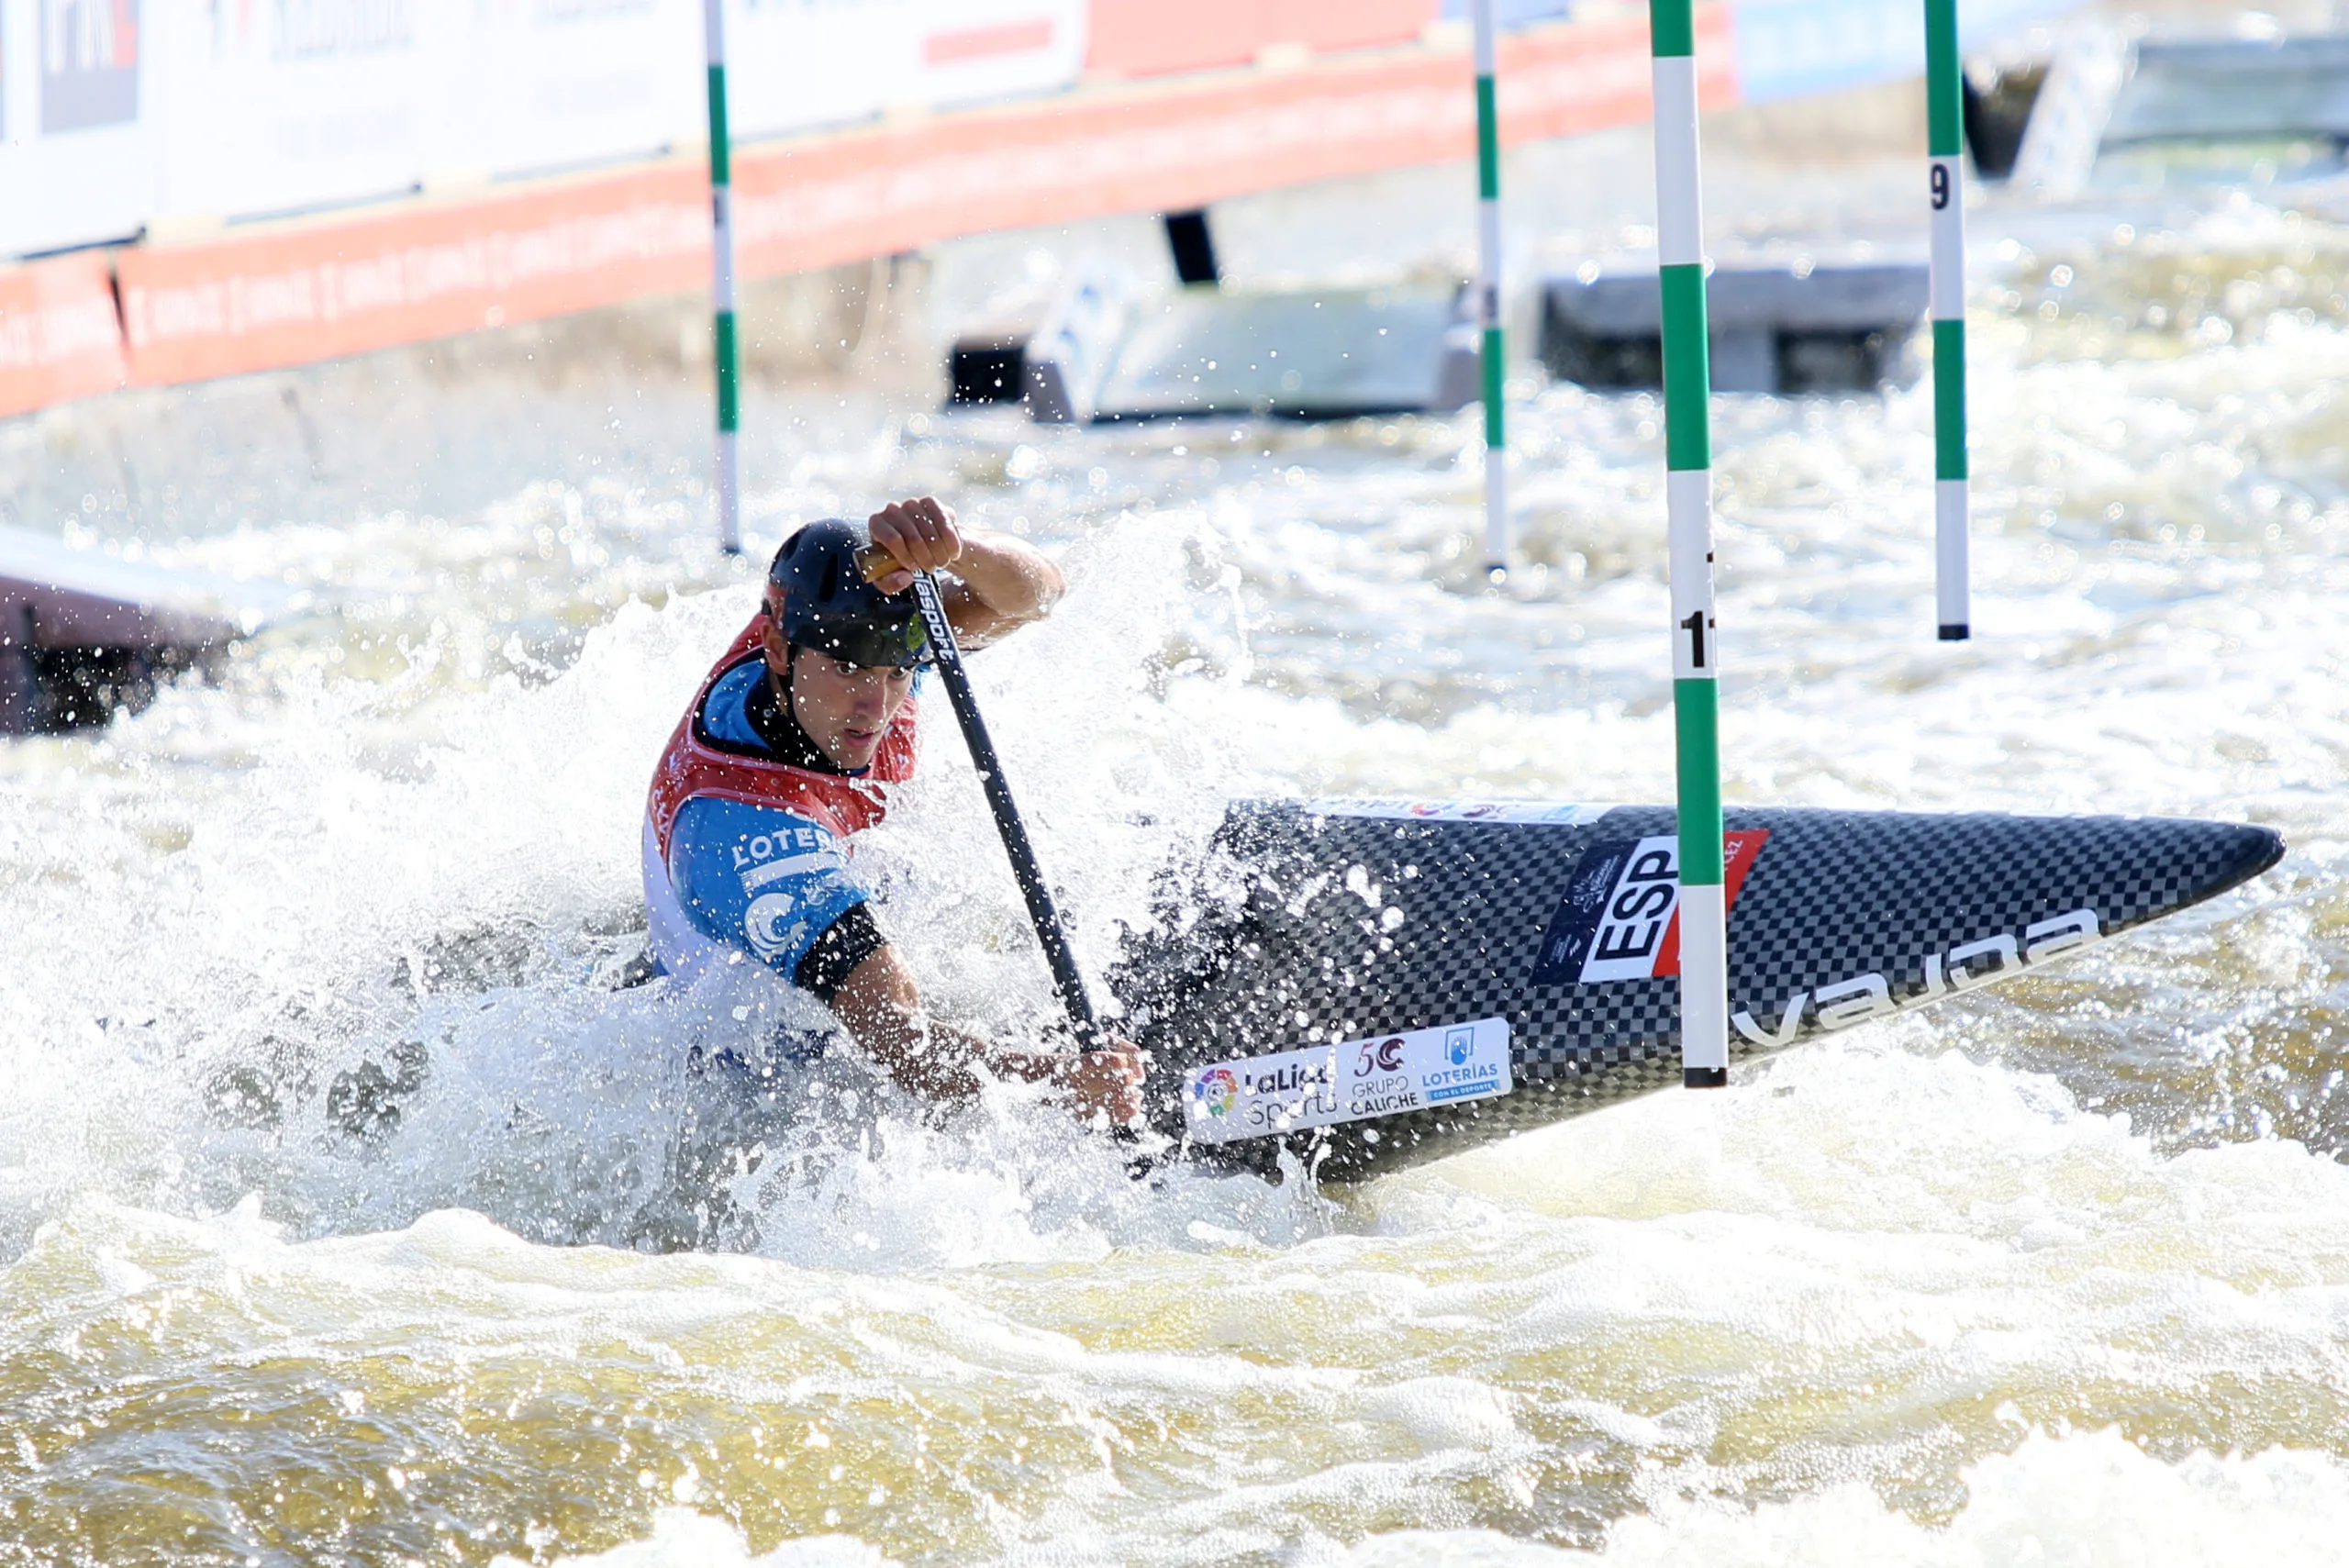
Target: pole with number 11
column 1688, row 502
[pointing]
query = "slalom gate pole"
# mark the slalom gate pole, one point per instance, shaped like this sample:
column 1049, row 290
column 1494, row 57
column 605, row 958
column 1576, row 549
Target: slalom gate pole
column 1067, row 979
column 1945, row 148
column 1689, row 500
column 727, row 477
column 1489, row 294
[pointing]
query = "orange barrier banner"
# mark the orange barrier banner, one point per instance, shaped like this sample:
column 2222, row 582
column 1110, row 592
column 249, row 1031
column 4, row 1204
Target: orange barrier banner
column 58, row 335
column 1588, row 76
column 1151, row 37
column 1183, row 145
column 291, row 293
column 294, row 293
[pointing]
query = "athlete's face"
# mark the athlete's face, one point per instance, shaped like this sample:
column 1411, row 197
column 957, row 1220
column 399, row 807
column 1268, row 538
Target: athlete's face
column 846, row 708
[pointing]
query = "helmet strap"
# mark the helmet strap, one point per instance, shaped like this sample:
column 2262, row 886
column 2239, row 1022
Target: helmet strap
column 787, row 689
column 788, row 685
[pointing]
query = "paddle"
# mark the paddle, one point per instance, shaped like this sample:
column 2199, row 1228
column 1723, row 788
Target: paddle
column 1067, row 981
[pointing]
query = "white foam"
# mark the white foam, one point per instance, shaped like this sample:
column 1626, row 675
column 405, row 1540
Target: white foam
column 682, row 1538
column 1898, row 1286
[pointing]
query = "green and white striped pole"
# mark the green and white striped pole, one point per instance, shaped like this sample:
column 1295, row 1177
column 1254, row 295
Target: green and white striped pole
column 1689, row 500
column 1945, row 146
column 728, row 480
column 1489, row 294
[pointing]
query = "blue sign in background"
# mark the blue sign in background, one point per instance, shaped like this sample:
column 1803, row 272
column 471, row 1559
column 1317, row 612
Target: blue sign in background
column 1788, row 48
column 1514, row 13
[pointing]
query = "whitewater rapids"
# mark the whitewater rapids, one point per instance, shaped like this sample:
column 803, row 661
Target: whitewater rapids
column 2058, row 1273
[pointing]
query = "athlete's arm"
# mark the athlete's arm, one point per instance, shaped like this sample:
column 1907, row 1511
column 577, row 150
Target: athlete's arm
column 882, row 1008
column 1005, row 583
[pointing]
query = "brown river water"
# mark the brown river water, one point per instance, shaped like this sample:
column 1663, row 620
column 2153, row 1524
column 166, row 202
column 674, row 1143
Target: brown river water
column 2058, row 1273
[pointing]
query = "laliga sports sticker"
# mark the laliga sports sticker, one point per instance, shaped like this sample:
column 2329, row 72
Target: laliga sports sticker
column 1620, row 916
column 1325, row 1084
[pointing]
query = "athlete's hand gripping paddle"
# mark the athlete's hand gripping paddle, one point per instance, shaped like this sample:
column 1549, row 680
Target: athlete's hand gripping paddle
column 878, row 564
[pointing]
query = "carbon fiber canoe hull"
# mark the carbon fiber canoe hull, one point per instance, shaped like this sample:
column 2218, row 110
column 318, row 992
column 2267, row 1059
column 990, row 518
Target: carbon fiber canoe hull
column 1312, row 986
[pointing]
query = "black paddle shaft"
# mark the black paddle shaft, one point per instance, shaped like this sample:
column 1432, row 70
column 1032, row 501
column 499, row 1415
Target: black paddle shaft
column 1066, row 979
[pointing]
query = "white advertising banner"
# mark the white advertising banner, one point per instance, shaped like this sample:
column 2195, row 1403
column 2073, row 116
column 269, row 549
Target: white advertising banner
column 77, row 157
column 305, row 103
column 545, row 85
column 794, row 65
column 195, row 113
column 976, row 52
column 798, row 65
column 298, row 103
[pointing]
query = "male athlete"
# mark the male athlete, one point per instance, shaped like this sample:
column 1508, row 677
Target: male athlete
column 789, row 752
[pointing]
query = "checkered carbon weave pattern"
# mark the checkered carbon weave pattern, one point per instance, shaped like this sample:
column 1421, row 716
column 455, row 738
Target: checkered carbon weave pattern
column 1302, row 928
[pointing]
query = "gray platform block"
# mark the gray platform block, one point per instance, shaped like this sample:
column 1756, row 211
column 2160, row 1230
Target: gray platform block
column 2214, row 90
column 1049, row 358
column 1779, row 327
column 1327, row 354
column 81, row 635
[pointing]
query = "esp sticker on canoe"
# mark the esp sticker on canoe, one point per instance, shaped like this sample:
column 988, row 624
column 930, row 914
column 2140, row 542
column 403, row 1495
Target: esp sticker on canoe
column 1620, row 916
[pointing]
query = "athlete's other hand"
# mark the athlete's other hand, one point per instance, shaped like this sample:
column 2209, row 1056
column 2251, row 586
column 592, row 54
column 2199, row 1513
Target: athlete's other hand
column 919, row 534
column 1105, row 1083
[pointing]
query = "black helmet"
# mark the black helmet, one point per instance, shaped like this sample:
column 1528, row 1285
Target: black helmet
column 829, row 605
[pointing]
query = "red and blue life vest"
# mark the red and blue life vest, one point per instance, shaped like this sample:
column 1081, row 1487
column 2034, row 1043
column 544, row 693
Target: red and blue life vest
column 744, row 852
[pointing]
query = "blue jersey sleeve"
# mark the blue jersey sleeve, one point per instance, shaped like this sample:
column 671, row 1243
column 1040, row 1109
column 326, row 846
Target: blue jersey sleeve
column 758, row 878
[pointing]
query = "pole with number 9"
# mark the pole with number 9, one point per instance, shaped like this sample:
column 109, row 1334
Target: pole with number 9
column 1945, row 186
